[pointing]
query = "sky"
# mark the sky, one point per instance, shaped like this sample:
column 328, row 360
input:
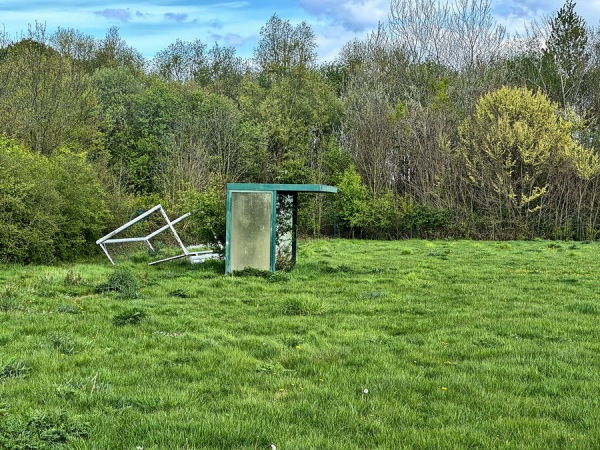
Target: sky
column 151, row 25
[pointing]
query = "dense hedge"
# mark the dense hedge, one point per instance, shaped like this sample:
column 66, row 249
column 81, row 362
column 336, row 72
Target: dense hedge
column 51, row 208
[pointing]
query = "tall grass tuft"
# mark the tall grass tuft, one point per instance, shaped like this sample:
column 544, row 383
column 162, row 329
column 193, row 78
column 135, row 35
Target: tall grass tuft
column 121, row 281
column 129, row 317
column 303, row 305
column 72, row 278
column 13, row 369
column 41, row 431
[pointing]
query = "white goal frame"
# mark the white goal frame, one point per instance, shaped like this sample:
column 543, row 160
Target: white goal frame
column 108, row 239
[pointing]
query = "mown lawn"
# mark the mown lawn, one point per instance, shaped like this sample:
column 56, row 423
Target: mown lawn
column 365, row 345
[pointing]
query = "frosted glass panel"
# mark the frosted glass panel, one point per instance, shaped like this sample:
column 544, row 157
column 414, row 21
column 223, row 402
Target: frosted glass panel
column 251, row 230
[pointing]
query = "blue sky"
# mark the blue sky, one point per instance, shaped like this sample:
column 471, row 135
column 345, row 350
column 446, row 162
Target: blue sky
column 151, row 25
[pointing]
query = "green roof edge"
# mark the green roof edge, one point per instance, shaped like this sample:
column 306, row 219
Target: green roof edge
column 282, row 187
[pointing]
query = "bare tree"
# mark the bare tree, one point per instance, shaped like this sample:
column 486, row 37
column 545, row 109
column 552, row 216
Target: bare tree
column 461, row 35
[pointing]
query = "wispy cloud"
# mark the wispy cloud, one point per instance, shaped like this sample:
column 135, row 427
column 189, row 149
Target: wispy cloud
column 517, row 15
column 124, row 15
column 354, row 15
column 177, row 17
column 232, row 39
column 238, row 22
column 216, row 23
column 521, row 9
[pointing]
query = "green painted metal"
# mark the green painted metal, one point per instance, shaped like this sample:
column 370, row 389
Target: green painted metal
column 292, row 189
column 273, row 230
column 228, row 233
column 282, row 187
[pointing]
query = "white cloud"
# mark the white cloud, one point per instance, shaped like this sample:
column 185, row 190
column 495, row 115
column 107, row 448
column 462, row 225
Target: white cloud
column 354, row 15
column 516, row 15
column 152, row 25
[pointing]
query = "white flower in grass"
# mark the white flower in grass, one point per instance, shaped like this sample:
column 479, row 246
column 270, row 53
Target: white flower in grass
column 273, row 447
column 365, row 391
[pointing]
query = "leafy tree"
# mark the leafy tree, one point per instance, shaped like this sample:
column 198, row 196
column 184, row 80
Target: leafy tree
column 290, row 100
column 212, row 139
column 117, row 90
column 73, row 44
column 226, row 71
column 156, row 109
column 297, row 114
column 113, row 52
column 567, row 49
column 139, row 114
column 353, row 199
column 46, row 101
column 336, row 75
column 183, row 61
column 284, row 48
column 514, row 146
column 218, row 69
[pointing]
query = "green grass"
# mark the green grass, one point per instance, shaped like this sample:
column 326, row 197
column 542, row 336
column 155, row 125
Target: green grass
column 458, row 344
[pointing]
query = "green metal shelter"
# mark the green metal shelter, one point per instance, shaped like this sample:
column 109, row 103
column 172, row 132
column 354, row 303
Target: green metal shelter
column 262, row 224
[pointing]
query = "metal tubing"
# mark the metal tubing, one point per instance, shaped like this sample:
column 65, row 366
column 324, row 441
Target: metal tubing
column 128, row 224
column 121, row 240
column 107, row 254
column 170, row 225
column 160, row 230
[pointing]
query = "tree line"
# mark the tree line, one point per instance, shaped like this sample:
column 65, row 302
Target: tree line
column 437, row 124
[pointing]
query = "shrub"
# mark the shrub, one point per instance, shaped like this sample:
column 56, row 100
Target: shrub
column 51, row 208
column 207, row 222
column 83, row 211
column 515, row 148
column 352, row 201
column 424, row 221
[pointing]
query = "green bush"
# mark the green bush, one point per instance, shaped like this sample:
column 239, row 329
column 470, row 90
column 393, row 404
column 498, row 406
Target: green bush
column 353, row 201
column 425, row 221
column 386, row 215
column 206, row 225
column 51, row 208
column 83, row 212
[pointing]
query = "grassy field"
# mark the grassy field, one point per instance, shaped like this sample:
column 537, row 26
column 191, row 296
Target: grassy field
column 365, row 345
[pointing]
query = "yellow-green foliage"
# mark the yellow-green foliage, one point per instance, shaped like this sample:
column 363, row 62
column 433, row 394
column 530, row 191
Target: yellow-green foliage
column 516, row 142
column 353, row 198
